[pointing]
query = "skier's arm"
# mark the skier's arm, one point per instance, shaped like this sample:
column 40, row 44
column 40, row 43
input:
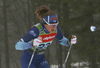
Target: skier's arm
column 60, row 38
column 25, row 42
column 21, row 45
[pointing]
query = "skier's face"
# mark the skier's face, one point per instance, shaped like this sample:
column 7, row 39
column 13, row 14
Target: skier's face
column 51, row 28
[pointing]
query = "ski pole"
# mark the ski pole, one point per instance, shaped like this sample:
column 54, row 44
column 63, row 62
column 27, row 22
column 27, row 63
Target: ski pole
column 36, row 43
column 67, row 57
column 32, row 57
column 73, row 41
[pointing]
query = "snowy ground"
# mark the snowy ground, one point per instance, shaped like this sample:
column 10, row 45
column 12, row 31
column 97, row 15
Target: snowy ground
column 74, row 65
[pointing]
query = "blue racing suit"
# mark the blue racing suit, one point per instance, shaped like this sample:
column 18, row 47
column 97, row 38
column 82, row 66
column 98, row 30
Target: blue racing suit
column 38, row 31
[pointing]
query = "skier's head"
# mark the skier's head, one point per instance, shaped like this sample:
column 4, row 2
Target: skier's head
column 48, row 16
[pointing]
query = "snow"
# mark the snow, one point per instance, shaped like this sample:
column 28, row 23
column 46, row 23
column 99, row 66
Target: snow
column 75, row 65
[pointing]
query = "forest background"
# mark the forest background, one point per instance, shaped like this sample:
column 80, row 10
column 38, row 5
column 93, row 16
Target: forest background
column 75, row 17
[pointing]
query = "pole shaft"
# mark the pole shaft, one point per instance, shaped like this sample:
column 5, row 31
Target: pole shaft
column 67, row 57
column 31, row 58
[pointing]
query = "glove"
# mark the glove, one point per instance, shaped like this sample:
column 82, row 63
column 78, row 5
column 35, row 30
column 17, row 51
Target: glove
column 36, row 42
column 73, row 39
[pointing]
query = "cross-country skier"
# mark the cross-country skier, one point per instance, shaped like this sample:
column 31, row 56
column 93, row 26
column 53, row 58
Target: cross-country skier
column 40, row 36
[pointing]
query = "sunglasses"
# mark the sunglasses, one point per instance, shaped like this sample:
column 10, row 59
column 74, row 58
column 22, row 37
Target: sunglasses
column 52, row 25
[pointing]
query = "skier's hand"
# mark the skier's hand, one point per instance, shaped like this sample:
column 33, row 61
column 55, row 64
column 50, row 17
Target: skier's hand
column 73, row 39
column 36, row 42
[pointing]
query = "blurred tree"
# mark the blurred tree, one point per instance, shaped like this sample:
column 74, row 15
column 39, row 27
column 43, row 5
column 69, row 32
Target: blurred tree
column 0, row 33
column 6, row 33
